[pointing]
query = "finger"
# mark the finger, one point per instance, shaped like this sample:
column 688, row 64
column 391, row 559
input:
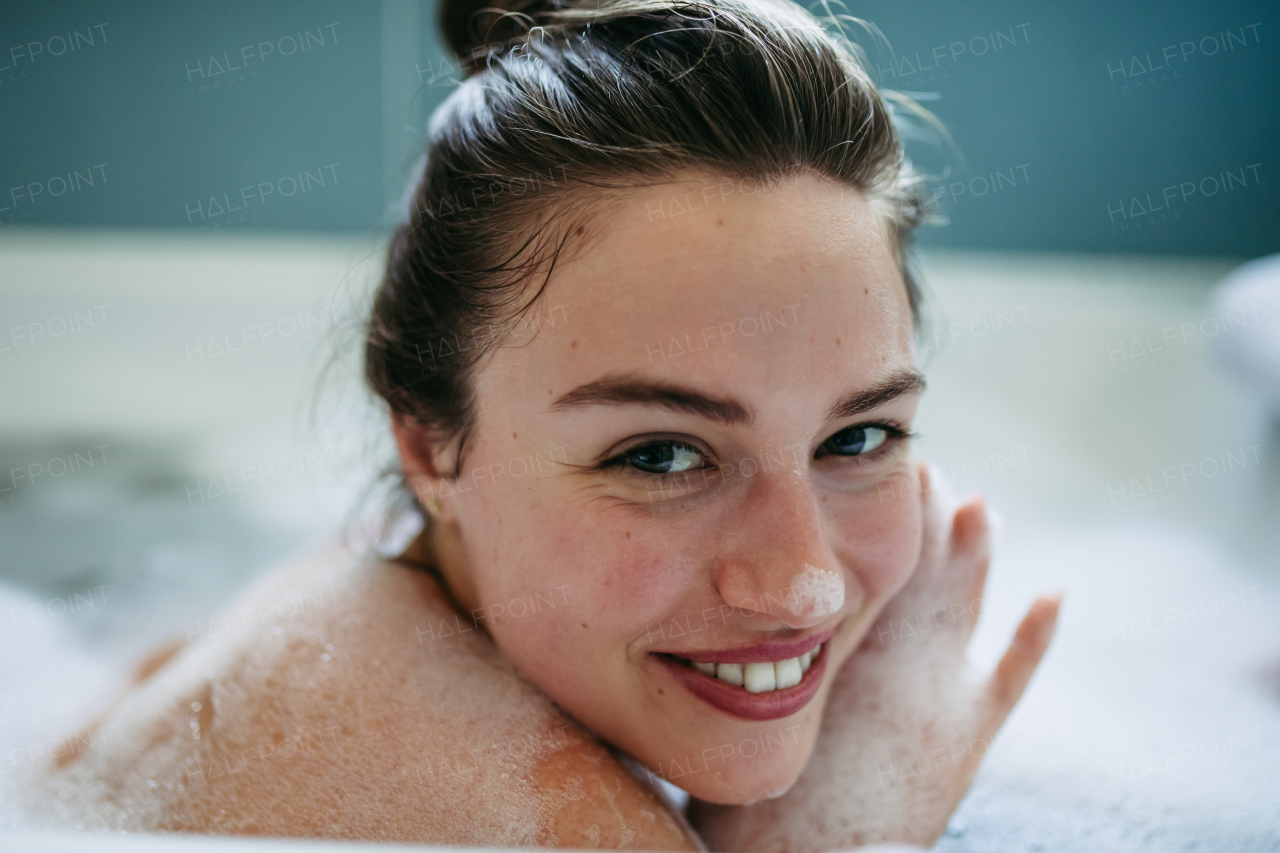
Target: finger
column 1030, row 641
column 930, row 509
column 971, row 551
column 937, row 504
column 936, row 491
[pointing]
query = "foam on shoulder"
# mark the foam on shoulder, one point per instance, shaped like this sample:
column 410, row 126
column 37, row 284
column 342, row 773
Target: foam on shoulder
column 352, row 720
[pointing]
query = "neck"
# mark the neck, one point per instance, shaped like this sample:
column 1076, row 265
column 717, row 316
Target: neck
column 440, row 548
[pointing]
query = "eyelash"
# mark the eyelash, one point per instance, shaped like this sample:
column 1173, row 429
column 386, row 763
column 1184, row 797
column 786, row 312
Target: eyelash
column 894, row 433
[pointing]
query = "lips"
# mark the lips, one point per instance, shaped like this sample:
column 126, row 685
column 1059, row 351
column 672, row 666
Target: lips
column 735, row 681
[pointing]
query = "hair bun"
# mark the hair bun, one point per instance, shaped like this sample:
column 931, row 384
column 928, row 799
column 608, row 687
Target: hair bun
column 470, row 27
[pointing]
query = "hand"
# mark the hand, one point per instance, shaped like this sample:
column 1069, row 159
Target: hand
column 906, row 724
column 908, row 695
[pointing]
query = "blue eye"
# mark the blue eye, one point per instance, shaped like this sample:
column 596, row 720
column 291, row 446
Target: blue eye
column 855, row 441
column 666, row 457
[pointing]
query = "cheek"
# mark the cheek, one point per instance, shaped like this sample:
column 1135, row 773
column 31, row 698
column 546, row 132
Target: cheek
column 615, row 578
column 879, row 541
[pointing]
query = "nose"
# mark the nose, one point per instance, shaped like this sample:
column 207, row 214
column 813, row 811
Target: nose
column 775, row 558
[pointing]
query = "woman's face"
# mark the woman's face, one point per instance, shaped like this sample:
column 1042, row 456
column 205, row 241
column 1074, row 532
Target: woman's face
column 699, row 458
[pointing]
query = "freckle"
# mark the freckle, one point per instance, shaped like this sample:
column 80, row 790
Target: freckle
column 584, row 624
column 513, row 435
column 866, row 290
column 579, row 229
column 628, row 534
column 574, row 344
column 837, row 342
column 719, row 221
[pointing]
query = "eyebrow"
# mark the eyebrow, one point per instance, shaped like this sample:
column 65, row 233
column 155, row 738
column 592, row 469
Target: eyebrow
column 628, row 389
column 897, row 384
column 632, row 390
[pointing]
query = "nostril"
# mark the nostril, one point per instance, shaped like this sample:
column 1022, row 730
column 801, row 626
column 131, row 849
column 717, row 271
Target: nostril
column 816, row 592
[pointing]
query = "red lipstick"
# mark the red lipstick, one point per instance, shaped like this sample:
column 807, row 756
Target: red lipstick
column 761, row 652
column 737, row 701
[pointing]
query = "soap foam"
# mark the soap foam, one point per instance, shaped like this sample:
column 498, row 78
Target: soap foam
column 346, row 722
column 816, row 592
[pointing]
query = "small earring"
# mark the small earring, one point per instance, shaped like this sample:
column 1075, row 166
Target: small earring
column 433, row 505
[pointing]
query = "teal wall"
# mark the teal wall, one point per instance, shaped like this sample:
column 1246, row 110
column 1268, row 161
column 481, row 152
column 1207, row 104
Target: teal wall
column 1150, row 128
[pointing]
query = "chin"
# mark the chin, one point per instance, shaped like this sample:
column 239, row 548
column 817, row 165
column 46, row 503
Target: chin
column 742, row 788
column 742, row 780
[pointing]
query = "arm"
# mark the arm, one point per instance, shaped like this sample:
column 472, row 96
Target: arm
column 905, row 727
column 594, row 802
column 349, row 720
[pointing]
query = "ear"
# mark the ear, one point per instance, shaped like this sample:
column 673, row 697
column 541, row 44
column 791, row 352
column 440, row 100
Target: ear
column 425, row 469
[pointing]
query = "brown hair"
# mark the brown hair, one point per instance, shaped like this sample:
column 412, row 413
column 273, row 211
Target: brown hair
column 565, row 104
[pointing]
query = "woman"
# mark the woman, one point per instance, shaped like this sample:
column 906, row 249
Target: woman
column 646, row 340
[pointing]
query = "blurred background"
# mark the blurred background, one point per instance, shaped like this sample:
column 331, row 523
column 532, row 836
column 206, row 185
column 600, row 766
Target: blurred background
column 195, row 199
column 1065, row 114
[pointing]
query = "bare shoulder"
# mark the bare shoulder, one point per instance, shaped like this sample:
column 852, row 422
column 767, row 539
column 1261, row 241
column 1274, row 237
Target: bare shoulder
column 347, row 700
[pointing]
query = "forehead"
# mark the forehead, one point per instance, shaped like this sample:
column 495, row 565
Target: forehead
column 714, row 277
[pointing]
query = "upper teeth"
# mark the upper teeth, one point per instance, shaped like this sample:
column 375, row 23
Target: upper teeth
column 761, row 677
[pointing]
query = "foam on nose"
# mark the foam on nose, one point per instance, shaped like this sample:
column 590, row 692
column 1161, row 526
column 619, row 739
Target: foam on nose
column 817, row 592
